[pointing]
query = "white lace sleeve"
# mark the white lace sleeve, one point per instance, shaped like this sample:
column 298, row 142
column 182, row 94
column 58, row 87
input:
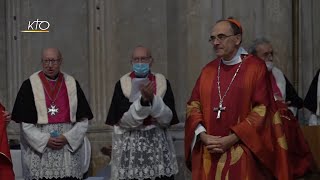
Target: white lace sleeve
column 76, row 134
column 161, row 112
column 134, row 117
column 35, row 138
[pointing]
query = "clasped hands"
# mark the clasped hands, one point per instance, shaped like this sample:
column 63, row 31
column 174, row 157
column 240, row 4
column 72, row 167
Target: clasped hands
column 147, row 92
column 218, row 144
column 57, row 143
column 147, row 95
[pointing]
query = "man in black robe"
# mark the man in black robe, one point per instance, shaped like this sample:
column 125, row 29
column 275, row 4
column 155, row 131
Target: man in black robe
column 312, row 100
column 300, row 156
column 282, row 87
column 141, row 111
column 53, row 113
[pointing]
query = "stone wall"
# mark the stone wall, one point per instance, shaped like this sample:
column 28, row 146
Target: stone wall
column 3, row 54
column 309, row 61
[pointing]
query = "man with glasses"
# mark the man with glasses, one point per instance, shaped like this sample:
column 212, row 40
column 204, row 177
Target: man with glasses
column 54, row 113
column 281, row 86
column 141, row 110
column 228, row 127
column 289, row 102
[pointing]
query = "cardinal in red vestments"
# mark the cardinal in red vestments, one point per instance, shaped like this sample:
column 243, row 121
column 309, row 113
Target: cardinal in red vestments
column 233, row 129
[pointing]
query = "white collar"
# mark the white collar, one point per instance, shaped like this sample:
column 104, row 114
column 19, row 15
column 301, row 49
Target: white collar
column 237, row 58
column 51, row 80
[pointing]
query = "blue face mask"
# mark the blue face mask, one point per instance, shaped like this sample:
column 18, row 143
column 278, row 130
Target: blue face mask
column 141, row 69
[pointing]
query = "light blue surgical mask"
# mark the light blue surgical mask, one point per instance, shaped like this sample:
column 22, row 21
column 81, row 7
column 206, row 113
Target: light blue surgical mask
column 269, row 65
column 141, row 69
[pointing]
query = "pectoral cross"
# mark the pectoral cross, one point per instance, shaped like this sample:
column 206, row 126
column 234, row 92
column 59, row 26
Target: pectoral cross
column 219, row 110
column 53, row 110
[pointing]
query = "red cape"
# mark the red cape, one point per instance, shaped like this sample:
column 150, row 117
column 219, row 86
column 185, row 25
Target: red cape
column 299, row 153
column 6, row 171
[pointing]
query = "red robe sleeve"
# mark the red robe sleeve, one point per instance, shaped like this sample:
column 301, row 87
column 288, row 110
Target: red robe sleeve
column 261, row 130
column 194, row 118
column 6, row 171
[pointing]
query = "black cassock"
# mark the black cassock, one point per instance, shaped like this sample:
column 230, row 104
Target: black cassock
column 310, row 102
column 121, row 104
column 24, row 109
column 292, row 95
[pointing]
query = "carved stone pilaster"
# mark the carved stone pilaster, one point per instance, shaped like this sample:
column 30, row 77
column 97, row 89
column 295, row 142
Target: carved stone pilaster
column 14, row 62
column 101, row 70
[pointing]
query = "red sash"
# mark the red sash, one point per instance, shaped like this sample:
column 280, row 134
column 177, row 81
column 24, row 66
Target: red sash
column 52, row 93
column 56, row 96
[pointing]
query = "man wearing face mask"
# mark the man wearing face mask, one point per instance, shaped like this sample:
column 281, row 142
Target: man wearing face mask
column 141, row 145
column 300, row 156
column 281, row 86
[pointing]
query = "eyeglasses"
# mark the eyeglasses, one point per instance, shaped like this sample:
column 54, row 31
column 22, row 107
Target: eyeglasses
column 141, row 59
column 268, row 54
column 51, row 61
column 219, row 37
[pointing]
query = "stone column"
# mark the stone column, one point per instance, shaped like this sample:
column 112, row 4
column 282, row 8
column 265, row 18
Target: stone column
column 278, row 27
column 3, row 54
column 309, row 48
column 14, row 70
column 14, row 64
column 100, row 73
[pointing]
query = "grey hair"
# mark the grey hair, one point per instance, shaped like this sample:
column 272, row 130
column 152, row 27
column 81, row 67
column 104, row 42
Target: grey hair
column 141, row 46
column 56, row 49
column 253, row 48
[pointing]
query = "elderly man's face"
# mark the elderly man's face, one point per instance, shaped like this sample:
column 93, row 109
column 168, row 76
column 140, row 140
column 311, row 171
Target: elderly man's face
column 265, row 52
column 51, row 62
column 224, row 42
column 140, row 55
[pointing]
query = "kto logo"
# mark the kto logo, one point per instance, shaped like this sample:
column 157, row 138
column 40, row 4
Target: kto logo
column 38, row 26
